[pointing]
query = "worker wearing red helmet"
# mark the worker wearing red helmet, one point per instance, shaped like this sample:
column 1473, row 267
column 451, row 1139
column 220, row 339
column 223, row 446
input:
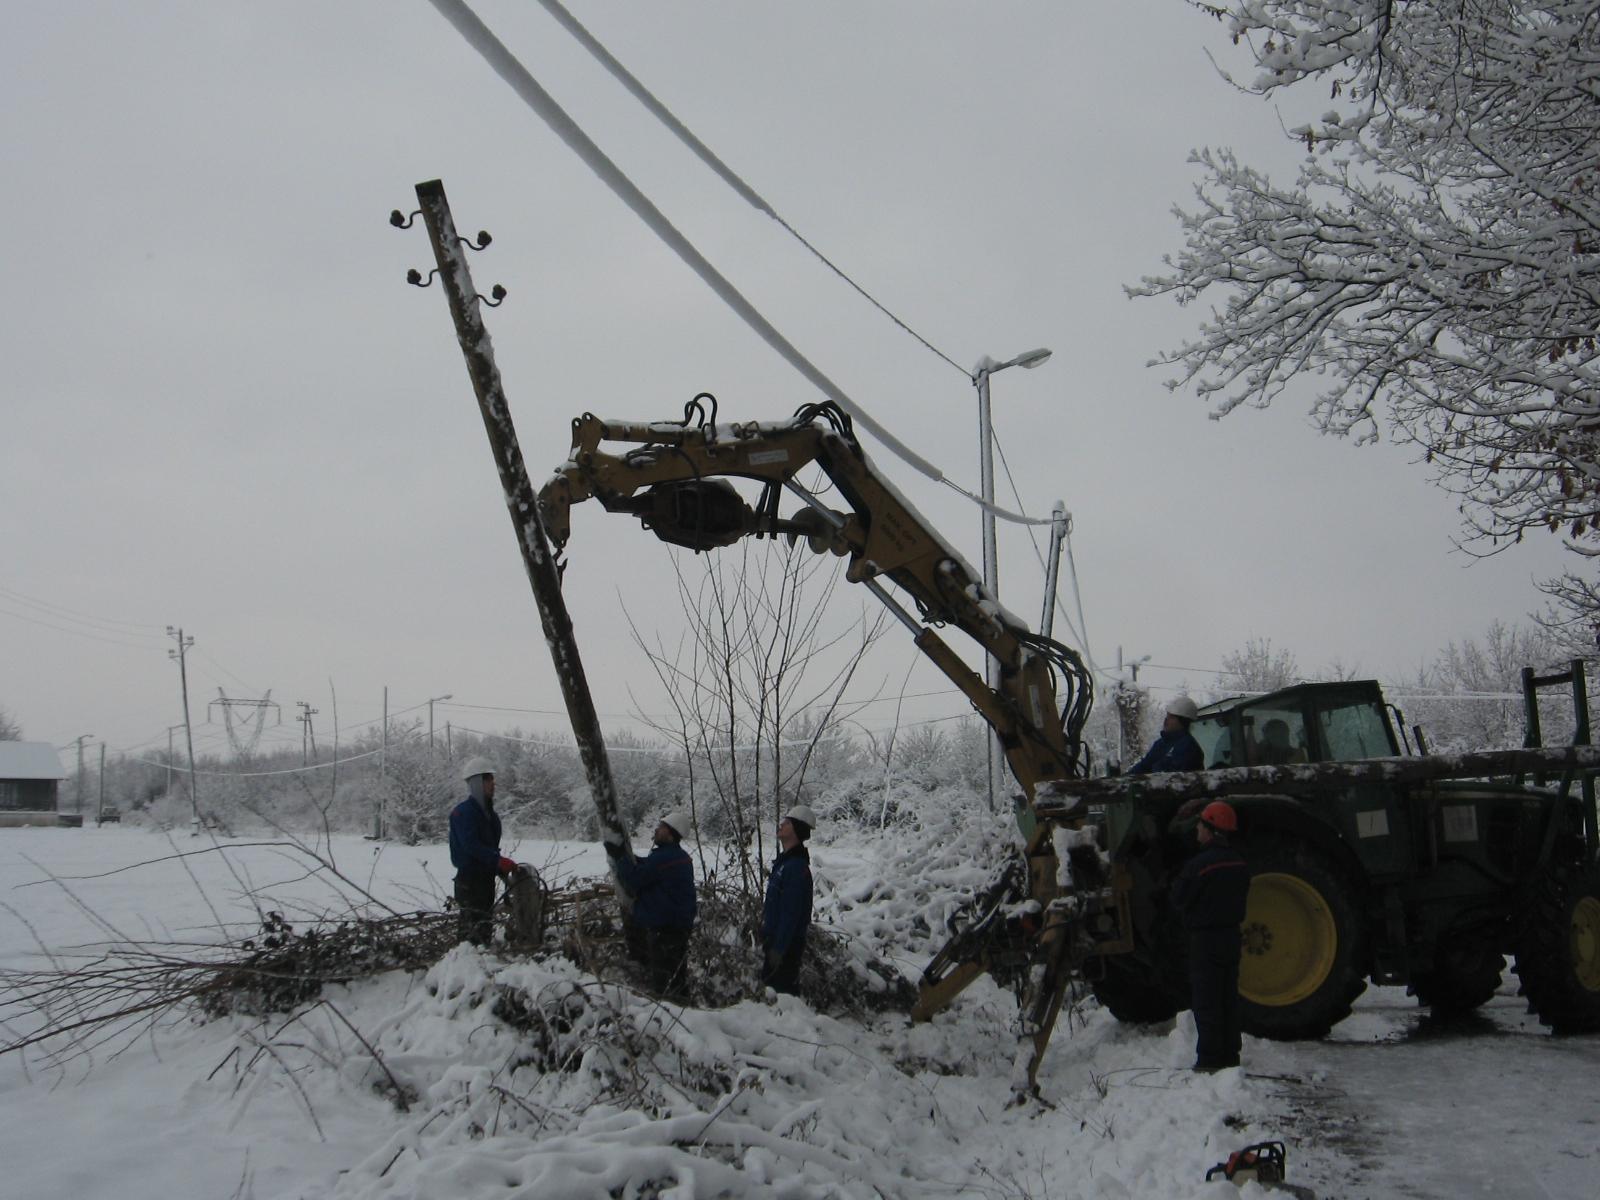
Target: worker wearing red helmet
column 1209, row 894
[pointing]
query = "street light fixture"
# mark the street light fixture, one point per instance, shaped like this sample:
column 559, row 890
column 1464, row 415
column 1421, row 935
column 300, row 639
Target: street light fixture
column 991, row 570
column 431, row 701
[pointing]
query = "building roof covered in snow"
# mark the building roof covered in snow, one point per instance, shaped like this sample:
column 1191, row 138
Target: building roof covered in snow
column 29, row 760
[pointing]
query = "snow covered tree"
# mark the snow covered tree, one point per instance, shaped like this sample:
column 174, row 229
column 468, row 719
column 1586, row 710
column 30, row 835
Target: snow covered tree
column 1257, row 668
column 10, row 731
column 1436, row 263
column 1476, row 690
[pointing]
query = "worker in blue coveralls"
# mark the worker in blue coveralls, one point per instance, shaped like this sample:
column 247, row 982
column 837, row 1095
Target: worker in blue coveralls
column 1175, row 749
column 1209, row 895
column 662, row 886
column 787, row 914
column 475, row 853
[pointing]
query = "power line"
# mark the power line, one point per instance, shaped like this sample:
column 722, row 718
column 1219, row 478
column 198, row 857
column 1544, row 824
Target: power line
column 62, row 612
column 560, row 122
column 726, row 173
column 75, row 632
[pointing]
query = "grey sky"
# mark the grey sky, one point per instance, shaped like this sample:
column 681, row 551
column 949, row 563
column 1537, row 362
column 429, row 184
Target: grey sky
column 224, row 408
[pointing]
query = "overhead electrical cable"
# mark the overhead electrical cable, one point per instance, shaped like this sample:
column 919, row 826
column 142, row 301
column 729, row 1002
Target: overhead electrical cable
column 708, row 156
column 60, row 612
column 287, row 771
column 83, row 633
column 506, row 65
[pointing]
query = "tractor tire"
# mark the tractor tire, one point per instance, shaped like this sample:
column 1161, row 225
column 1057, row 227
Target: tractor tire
column 1465, row 975
column 1558, row 949
column 1305, row 942
column 1134, row 992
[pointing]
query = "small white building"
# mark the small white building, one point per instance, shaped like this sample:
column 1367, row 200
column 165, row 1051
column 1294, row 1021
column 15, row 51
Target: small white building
column 30, row 782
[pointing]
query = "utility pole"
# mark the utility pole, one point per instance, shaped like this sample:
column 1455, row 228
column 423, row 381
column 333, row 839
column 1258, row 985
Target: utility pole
column 383, row 768
column 431, row 702
column 1060, row 523
column 991, row 568
column 181, row 656
column 171, row 729
column 521, row 501
column 306, row 731
column 100, row 813
column 81, row 739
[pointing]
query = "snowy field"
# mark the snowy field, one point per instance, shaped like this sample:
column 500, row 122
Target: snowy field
column 763, row 1099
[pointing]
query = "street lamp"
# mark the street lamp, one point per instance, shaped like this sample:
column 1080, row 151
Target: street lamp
column 431, row 701
column 991, row 571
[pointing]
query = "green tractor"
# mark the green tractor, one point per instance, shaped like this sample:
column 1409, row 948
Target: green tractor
column 1367, row 864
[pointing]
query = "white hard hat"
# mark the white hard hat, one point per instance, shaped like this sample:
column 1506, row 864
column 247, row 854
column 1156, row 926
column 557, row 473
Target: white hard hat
column 1184, row 707
column 678, row 821
column 801, row 813
column 477, row 765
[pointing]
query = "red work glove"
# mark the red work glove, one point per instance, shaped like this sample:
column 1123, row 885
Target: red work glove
column 506, row 865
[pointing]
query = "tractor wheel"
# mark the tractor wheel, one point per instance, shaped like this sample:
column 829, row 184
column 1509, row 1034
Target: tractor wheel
column 1465, row 975
column 1305, row 943
column 1133, row 992
column 1558, row 949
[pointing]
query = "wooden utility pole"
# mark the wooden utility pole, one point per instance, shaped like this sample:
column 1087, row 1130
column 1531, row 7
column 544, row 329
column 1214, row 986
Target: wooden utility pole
column 171, row 729
column 100, row 813
column 180, row 654
column 521, row 502
column 383, row 770
column 80, row 739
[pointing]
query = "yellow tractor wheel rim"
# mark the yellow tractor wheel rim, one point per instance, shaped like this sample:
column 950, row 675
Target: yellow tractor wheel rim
column 1586, row 943
column 1290, row 941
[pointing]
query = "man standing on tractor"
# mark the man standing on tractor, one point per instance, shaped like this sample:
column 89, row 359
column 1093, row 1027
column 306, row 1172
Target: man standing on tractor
column 475, row 853
column 1175, row 748
column 786, row 916
column 1209, row 894
column 662, row 886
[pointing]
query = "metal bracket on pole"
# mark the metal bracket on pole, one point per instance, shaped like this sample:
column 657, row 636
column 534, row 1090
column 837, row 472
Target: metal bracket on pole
column 521, row 502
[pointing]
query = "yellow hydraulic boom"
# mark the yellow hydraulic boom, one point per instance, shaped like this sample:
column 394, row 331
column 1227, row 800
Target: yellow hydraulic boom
column 1035, row 928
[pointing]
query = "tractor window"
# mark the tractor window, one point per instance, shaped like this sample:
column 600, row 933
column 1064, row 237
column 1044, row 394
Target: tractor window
column 1275, row 736
column 1353, row 731
column 1216, row 744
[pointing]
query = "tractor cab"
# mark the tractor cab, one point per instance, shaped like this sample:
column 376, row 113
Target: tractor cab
column 1309, row 722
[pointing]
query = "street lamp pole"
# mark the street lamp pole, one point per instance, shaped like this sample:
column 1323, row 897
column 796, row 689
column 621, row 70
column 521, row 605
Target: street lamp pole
column 991, row 567
column 431, row 701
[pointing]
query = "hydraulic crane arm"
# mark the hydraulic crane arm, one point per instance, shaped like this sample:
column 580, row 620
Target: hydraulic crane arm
column 1042, row 919
column 674, row 480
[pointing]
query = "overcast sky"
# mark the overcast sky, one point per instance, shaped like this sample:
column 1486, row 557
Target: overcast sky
column 223, row 407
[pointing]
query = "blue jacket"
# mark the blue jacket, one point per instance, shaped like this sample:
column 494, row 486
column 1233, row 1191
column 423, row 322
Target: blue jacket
column 1210, row 891
column 474, row 839
column 662, row 886
column 787, row 913
column 1172, row 752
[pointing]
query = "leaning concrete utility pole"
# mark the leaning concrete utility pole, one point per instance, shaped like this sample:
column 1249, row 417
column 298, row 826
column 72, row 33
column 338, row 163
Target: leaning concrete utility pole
column 181, row 657
column 521, row 502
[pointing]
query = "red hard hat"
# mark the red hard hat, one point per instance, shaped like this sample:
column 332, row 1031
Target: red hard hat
column 1219, row 815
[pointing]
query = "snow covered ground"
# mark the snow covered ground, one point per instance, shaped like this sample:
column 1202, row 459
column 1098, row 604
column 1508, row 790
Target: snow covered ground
column 430, row 1086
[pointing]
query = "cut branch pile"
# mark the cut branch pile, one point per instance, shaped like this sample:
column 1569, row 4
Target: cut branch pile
column 76, row 1008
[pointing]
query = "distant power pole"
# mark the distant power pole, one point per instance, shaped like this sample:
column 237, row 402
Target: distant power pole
column 81, row 739
column 383, row 770
column 306, row 730
column 100, row 813
column 171, row 729
column 181, row 655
